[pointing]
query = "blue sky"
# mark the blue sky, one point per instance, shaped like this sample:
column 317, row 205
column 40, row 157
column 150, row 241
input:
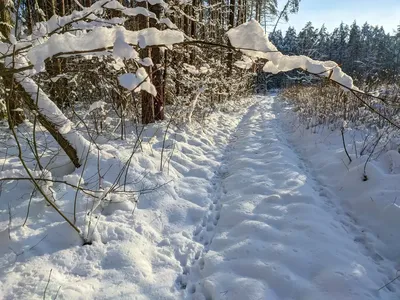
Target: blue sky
column 384, row 13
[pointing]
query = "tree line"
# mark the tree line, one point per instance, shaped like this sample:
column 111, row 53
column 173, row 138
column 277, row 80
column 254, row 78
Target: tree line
column 367, row 53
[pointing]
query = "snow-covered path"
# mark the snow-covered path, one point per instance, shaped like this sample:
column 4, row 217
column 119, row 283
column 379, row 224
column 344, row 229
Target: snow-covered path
column 271, row 232
column 239, row 215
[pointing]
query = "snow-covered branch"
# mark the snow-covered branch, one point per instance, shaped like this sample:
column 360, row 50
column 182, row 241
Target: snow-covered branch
column 251, row 35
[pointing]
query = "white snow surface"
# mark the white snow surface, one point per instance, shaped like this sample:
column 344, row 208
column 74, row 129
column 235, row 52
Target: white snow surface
column 21, row 173
column 246, row 208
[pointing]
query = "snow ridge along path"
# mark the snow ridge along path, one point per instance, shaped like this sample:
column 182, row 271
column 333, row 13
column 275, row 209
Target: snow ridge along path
column 270, row 233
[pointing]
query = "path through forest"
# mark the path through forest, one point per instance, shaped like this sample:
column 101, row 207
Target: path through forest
column 272, row 232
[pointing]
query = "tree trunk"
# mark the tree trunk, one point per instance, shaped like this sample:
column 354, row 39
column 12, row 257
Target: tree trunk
column 158, row 81
column 17, row 117
column 70, row 141
column 52, row 129
column 239, row 13
column 153, row 107
column 231, row 24
column 158, row 74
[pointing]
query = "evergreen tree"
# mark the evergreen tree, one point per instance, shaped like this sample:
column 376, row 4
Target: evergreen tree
column 290, row 42
column 277, row 39
column 307, row 40
column 353, row 55
column 323, row 44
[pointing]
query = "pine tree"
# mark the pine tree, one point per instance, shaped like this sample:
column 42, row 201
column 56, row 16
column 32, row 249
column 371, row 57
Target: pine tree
column 353, row 55
column 277, row 39
column 290, row 42
column 307, row 40
column 323, row 44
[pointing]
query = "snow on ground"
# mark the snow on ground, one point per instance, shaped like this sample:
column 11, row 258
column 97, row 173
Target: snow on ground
column 371, row 204
column 278, row 234
column 137, row 252
column 237, row 213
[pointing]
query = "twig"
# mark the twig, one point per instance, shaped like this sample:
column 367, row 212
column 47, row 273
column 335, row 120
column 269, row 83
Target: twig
column 48, row 281
column 29, row 208
column 55, row 297
column 9, row 220
column 344, row 145
column 397, row 277
column 79, row 183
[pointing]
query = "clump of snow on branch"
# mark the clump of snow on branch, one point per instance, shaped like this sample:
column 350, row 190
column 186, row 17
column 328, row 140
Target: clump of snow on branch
column 137, row 82
column 98, row 40
column 251, row 40
column 168, row 23
column 154, row 2
column 196, row 71
column 44, row 104
column 245, row 63
column 97, row 106
column 147, row 62
column 76, row 18
column 122, row 49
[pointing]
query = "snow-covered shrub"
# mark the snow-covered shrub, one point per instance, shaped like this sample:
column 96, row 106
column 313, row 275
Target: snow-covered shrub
column 327, row 106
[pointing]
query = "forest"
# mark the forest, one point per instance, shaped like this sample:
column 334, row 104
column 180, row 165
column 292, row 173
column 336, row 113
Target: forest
column 368, row 53
column 187, row 149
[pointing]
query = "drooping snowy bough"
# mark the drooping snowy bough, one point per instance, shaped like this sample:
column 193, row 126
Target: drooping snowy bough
column 251, row 35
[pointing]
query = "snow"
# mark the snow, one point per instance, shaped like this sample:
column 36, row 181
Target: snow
column 194, row 103
column 273, row 232
column 252, row 41
column 122, row 49
column 99, row 39
column 74, row 179
column 96, row 105
column 250, row 35
column 134, row 11
column 44, row 104
column 137, row 82
column 372, row 204
column 22, row 174
column 249, row 206
column 134, row 255
column 153, row 36
column 78, row 18
column 196, row 71
column 147, row 62
column 325, row 69
column 168, row 23
column 245, row 63
column 51, row 112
